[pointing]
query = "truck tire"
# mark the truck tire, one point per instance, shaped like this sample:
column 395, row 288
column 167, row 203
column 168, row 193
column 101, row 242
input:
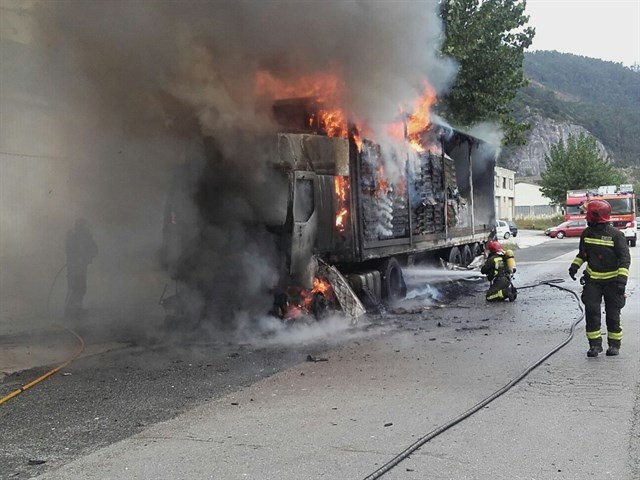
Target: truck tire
column 467, row 256
column 477, row 250
column 393, row 286
column 632, row 242
column 455, row 256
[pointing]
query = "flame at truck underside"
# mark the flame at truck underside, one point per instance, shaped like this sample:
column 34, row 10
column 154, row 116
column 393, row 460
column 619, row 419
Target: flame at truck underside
column 330, row 292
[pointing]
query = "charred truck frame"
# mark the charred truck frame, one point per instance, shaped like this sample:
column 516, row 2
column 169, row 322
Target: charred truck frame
column 344, row 209
column 344, row 213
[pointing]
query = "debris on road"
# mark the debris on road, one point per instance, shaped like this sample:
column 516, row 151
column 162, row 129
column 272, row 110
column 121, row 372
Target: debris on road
column 311, row 358
column 36, row 462
column 388, row 424
column 477, row 327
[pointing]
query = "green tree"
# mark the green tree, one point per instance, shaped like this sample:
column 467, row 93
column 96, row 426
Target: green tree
column 488, row 39
column 576, row 165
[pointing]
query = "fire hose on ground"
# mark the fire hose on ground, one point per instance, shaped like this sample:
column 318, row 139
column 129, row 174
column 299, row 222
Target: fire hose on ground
column 395, row 461
column 55, row 370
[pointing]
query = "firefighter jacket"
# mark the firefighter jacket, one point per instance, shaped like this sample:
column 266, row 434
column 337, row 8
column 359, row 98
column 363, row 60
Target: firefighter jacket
column 604, row 248
column 495, row 266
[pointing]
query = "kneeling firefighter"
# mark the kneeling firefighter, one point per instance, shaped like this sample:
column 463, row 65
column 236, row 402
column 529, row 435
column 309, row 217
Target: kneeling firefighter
column 499, row 268
column 604, row 248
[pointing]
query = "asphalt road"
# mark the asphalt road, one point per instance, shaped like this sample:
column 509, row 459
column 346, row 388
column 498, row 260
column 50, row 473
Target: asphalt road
column 227, row 411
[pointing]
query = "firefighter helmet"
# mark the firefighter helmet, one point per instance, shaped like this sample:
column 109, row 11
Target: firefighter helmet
column 494, row 247
column 598, row 211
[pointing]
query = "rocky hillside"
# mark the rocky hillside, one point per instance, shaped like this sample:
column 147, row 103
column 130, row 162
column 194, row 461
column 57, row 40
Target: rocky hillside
column 569, row 94
column 528, row 160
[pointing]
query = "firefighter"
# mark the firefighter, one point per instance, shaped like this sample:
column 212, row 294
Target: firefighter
column 80, row 250
column 605, row 251
column 499, row 267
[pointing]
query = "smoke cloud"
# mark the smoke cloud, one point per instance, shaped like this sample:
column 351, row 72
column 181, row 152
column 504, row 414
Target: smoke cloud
column 126, row 91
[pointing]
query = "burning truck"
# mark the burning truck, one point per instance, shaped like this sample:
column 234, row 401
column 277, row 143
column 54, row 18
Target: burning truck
column 354, row 213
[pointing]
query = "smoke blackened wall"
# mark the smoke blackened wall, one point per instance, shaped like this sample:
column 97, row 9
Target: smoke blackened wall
column 130, row 86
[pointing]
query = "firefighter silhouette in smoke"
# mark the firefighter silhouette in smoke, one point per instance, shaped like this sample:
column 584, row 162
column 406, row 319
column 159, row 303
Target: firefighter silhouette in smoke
column 499, row 268
column 80, row 250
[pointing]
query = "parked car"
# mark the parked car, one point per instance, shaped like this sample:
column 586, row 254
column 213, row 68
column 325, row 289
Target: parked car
column 513, row 228
column 572, row 228
column 502, row 229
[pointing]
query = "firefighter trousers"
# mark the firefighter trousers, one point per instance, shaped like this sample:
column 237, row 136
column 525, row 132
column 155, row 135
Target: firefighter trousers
column 501, row 289
column 592, row 295
column 77, row 285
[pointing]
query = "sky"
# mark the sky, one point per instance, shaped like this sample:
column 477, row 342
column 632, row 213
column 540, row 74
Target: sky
column 605, row 29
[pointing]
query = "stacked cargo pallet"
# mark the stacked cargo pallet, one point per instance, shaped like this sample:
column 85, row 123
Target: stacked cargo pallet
column 428, row 212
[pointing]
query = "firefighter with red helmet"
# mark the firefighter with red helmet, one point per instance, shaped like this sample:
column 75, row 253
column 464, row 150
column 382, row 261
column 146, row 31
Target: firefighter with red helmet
column 499, row 267
column 605, row 251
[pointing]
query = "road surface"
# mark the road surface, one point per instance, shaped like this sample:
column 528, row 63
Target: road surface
column 261, row 412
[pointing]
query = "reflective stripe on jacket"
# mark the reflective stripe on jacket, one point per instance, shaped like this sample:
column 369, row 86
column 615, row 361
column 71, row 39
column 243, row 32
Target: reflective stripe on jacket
column 605, row 250
column 495, row 266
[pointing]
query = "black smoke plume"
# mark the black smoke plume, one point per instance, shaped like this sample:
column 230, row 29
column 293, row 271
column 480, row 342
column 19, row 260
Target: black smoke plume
column 134, row 89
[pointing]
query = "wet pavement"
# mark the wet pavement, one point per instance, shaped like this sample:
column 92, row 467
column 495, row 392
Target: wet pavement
column 240, row 411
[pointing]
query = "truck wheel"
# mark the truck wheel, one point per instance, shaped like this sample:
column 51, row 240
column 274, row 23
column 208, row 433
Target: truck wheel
column 455, row 257
column 467, row 256
column 632, row 242
column 393, row 286
column 560, row 235
column 477, row 250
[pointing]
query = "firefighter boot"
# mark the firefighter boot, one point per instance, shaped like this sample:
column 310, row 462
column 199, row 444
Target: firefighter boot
column 594, row 350
column 613, row 350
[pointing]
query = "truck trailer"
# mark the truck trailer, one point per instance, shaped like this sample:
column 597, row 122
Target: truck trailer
column 366, row 213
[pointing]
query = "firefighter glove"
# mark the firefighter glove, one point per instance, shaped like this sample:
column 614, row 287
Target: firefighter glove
column 572, row 272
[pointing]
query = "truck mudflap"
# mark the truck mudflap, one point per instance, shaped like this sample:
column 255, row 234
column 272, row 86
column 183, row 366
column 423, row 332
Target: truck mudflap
column 346, row 297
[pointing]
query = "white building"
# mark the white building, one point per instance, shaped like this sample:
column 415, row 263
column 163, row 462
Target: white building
column 530, row 202
column 505, row 193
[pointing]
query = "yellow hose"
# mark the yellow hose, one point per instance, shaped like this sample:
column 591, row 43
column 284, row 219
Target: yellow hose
column 51, row 372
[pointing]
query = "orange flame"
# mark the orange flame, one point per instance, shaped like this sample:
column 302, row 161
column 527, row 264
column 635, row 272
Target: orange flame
column 417, row 122
column 340, row 218
column 420, row 119
column 333, row 122
column 327, row 88
column 341, row 189
column 320, row 285
column 382, row 183
column 358, row 141
column 302, row 299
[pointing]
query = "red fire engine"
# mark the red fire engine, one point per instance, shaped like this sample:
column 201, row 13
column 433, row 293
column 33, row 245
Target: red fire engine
column 623, row 207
